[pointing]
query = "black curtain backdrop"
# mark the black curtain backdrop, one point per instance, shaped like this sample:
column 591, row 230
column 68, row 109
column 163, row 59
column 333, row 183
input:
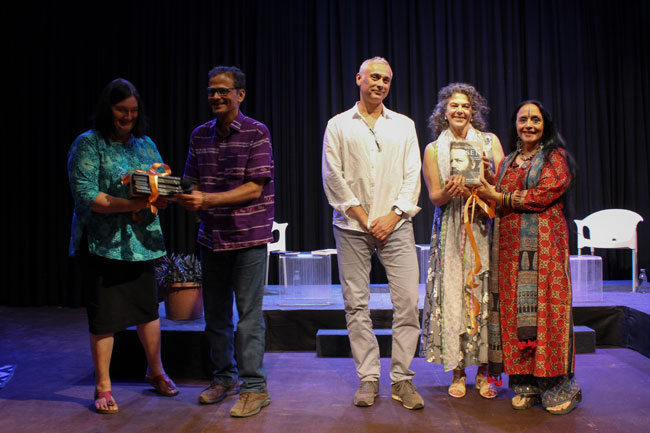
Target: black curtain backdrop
column 586, row 60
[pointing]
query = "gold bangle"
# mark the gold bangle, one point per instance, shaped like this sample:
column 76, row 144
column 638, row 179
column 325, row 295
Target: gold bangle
column 506, row 199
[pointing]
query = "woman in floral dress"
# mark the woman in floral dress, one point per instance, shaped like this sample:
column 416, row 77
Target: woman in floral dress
column 454, row 331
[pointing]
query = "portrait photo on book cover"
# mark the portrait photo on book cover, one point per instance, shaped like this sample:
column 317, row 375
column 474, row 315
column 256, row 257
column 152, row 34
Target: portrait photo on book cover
column 466, row 159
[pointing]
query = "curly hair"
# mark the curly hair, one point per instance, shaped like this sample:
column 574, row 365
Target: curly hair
column 479, row 108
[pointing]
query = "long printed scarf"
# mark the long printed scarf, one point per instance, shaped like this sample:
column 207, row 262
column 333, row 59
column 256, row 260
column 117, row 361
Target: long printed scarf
column 454, row 300
column 527, row 275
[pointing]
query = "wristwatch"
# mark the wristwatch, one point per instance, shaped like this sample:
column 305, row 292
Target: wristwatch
column 397, row 211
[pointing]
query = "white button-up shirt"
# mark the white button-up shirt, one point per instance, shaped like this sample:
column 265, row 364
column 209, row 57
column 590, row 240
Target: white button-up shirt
column 376, row 171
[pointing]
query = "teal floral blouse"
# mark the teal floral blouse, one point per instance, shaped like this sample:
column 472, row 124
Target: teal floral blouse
column 95, row 165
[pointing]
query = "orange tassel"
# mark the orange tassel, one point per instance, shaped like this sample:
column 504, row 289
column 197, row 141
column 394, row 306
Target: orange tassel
column 497, row 381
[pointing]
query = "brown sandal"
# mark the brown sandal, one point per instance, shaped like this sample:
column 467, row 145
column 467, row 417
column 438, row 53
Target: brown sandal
column 163, row 385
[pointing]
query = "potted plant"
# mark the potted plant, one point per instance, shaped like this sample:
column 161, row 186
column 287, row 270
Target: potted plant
column 179, row 277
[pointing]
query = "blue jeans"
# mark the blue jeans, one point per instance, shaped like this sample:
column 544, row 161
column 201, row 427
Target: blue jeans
column 235, row 354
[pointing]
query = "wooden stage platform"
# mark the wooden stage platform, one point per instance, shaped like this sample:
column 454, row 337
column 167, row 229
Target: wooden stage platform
column 52, row 387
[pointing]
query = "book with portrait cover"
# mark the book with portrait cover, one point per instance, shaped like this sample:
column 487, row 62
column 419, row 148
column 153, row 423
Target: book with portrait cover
column 466, row 159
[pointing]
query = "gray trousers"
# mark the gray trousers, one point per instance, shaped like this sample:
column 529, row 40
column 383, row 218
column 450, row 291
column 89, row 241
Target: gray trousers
column 354, row 250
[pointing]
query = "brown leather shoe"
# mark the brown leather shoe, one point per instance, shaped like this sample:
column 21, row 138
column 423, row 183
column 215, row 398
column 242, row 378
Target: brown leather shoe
column 250, row 403
column 216, row 392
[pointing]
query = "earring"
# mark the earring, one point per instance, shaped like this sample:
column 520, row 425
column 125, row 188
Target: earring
column 446, row 120
column 519, row 144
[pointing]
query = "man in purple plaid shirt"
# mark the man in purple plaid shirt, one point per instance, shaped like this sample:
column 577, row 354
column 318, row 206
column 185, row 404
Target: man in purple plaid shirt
column 230, row 161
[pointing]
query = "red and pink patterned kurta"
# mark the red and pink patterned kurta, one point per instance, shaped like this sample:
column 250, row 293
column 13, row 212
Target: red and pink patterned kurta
column 554, row 355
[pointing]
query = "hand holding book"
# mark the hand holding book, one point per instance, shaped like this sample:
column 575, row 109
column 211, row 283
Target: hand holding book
column 455, row 186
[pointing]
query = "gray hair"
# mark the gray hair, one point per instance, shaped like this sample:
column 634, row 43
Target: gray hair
column 375, row 59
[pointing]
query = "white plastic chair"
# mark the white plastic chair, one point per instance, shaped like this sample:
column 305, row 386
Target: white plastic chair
column 279, row 245
column 611, row 228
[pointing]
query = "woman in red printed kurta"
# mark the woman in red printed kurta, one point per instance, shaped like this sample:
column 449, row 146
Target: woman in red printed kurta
column 531, row 326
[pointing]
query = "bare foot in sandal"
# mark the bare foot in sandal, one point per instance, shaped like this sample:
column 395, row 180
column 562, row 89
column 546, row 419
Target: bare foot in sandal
column 105, row 403
column 457, row 387
column 566, row 407
column 485, row 388
column 525, row 401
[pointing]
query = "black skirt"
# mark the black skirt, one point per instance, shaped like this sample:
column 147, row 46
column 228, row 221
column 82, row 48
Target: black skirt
column 120, row 293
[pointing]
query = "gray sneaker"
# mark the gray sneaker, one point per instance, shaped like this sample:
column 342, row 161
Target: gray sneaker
column 365, row 395
column 405, row 392
column 216, row 392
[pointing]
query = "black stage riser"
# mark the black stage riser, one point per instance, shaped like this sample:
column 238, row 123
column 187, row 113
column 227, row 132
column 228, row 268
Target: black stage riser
column 186, row 354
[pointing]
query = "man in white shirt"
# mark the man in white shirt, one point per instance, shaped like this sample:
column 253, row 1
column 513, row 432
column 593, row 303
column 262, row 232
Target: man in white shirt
column 371, row 176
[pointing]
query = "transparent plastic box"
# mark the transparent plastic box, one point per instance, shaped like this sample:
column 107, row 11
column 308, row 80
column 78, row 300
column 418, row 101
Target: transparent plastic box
column 423, row 261
column 305, row 279
column 587, row 278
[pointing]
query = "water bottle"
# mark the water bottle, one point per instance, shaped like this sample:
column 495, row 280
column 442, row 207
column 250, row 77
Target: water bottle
column 643, row 282
column 296, row 278
column 297, row 285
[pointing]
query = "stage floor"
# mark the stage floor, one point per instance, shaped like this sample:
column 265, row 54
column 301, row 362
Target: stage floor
column 52, row 387
column 53, row 384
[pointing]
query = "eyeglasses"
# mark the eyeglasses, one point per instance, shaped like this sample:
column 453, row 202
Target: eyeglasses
column 222, row 91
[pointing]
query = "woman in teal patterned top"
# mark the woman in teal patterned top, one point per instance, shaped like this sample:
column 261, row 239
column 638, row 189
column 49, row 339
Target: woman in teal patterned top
column 115, row 249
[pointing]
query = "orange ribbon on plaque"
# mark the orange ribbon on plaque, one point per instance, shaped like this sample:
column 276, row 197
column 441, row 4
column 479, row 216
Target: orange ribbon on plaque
column 153, row 175
column 473, row 306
